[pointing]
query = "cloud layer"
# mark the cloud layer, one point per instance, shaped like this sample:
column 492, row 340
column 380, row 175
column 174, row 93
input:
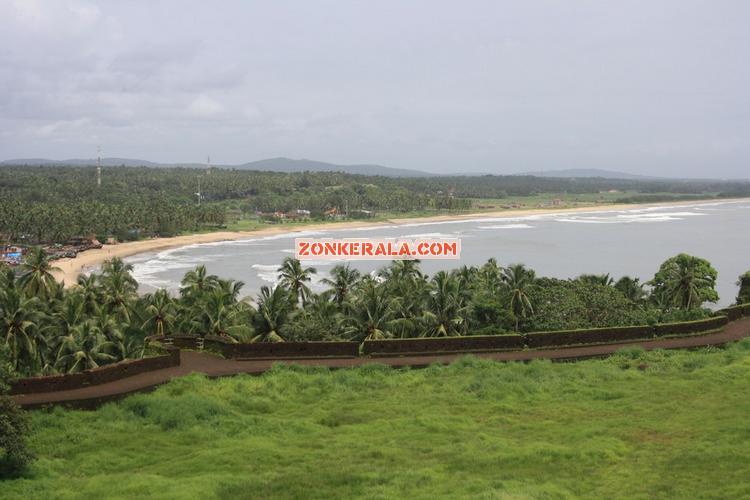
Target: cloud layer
column 646, row 87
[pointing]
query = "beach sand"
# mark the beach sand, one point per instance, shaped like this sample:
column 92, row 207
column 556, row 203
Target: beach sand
column 84, row 262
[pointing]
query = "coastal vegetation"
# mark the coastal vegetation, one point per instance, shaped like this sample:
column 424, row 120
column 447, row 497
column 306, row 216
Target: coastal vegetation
column 14, row 425
column 51, row 204
column 48, row 329
column 669, row 424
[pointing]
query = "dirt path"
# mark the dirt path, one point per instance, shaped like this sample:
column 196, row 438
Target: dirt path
column 213, row 366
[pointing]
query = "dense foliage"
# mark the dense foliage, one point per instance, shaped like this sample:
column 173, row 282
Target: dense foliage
column 48, row 329
column 685, row 282
column 659, row 424
column 14, row 425
column 52, row 203
column 743, row 297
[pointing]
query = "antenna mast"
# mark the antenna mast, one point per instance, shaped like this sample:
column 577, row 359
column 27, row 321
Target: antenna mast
column 208, row 165
column 98, row 166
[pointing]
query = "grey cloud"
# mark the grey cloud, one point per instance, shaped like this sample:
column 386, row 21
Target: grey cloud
column 645, row 87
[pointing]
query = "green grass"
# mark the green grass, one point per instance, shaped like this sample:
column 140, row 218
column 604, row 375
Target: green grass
column 637, row 425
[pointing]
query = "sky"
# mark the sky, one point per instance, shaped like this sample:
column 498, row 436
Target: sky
column 648, row 87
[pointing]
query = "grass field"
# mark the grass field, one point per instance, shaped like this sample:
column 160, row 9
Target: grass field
column 637, row 425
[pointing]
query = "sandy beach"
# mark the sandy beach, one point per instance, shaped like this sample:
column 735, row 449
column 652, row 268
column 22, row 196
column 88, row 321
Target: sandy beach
column 69, row 269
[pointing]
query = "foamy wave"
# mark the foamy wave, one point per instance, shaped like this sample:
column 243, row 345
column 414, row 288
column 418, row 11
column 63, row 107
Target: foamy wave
column 664, row 214
column 428, row 235
column 591, row 220
column 630, row 216
column 365, row 228
column 507, row 226
column 267, row 272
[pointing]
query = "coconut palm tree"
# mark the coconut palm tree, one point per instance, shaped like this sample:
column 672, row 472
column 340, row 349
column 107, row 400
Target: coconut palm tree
column 445, row 312
column 221, row 314
column 83, row 348
column 89, row 288
column 632, row 288
column 118, row 287
column 295, row 278
column 111, row 327
column 466, row 276
column 405, row 270
column 116, row 268
column 118, row 295
column 321, row 319
column 274, row 308
column 490, row 274
column 36, row 274
column 70, row 312
column 230, row 290
column 343, row 278
column 8, row 278
column 160, row 313
column 197, row 281
column 519, row 281
column 372, row 314
column 20, row 317
column 685, row 282
column 596, row 279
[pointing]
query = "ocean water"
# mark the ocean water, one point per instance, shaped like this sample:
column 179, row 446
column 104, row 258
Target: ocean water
column 630, row 242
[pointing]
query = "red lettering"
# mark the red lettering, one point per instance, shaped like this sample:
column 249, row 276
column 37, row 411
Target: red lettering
column 303, row 248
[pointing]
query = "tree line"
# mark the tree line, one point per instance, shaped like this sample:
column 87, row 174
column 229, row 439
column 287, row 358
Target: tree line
column 47, row 329
column 47, row 204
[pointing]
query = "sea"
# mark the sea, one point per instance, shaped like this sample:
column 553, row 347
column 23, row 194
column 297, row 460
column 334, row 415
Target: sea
column 632, row 242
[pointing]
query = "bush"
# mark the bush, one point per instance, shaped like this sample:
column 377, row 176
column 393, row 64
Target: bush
column 573, row 305
column 14, row 425
column 743, row 282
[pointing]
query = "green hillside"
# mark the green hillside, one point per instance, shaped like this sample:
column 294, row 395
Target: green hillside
column 637, row 425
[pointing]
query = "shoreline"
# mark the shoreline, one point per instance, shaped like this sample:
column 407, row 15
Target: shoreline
column 69, row 269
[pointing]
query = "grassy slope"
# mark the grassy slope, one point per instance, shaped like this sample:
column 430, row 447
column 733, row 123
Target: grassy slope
column 662, row 424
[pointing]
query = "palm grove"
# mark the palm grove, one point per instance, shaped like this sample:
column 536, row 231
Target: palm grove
column 49, row 329
column 50, row 204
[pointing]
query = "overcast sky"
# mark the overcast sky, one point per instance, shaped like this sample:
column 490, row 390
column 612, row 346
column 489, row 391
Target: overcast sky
column 652, row 87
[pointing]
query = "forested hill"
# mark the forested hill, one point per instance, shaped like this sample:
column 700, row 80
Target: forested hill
column 52, row 203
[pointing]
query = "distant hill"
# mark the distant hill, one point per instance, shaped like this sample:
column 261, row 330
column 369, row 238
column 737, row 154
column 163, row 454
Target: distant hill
column 272, row 164
column 290, row 165
column 589, row 172
column 107, row 162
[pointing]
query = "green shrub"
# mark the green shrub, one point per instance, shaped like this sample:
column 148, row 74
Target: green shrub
column 14, row 425
column 743, row 296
